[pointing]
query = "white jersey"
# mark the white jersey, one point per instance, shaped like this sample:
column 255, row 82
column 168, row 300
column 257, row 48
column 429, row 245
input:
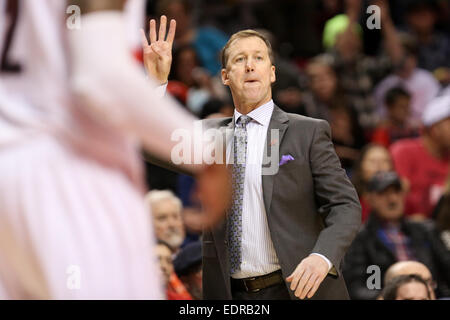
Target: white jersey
column 34, row 71
column 72, row 226
column 71, row 216
column 33, row 86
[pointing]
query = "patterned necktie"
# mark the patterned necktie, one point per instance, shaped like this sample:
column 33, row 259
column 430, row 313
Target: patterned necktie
column 238, row 174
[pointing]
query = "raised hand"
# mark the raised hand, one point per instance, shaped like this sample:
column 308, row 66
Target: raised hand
column 158, row 54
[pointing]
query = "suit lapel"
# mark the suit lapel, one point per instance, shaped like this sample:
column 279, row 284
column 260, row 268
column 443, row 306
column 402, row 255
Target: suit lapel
column 278, row 122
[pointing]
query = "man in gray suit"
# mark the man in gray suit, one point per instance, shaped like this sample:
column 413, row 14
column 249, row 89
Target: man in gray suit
column 288, row 229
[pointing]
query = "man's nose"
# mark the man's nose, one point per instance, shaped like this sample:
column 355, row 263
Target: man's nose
column 249, row 66
column 173, row 222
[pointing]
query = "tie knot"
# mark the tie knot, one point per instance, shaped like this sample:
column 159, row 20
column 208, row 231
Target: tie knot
column 243, row 121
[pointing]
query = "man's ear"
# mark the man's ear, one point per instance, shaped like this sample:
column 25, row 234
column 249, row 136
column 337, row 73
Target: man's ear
column 225, row 79
column 273, row 76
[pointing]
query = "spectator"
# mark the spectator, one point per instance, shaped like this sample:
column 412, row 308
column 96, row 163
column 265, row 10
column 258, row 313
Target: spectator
column 188, row 267
column 328, row 101
column 200, row 86
column 411, row 267
column 284, row 17
column 167, row 219
column 407, row 287
column 373, row 158
column 441, row 214
column 164, row 255
column 207, row 41
column 175, row 290
column 287, row 87
column 395, row 126
column 433, row 46
column 419, row 82
column 388, row 238
column 358, row 73
column 424, row 162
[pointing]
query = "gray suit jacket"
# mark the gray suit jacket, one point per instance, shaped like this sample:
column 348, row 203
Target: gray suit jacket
column 310, row 203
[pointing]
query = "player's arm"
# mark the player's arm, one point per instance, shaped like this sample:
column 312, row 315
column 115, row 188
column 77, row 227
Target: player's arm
column 111, row 86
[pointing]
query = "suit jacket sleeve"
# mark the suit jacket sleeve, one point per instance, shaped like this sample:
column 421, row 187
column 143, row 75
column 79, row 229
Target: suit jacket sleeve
column 336, row 198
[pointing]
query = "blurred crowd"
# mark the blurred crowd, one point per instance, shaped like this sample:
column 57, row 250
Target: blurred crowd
column 385, row 93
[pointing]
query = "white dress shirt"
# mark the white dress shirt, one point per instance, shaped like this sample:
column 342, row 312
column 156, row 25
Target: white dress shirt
column 258, row 253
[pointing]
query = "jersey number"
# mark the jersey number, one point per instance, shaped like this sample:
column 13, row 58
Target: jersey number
column 6, row 65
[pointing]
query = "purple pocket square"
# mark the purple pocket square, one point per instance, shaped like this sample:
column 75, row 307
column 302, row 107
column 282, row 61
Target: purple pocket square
column 285, row 159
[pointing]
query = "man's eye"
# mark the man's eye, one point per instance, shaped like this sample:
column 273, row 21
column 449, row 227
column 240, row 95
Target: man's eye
column 259, row 58
column 240, row 59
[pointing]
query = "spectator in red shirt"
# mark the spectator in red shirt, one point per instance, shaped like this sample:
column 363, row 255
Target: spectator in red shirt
column 395, row 126
column 424, row 162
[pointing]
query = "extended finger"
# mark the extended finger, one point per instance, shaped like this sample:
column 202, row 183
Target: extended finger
column 309, row 284
column 162, row 28
column 156, row 49
column 296, row 278
column 152, row 31
column 144, row 40
column 314, row 288
column 172, row 29
column 301, row 285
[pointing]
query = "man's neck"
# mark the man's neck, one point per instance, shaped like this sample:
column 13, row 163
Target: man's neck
column 246, row 108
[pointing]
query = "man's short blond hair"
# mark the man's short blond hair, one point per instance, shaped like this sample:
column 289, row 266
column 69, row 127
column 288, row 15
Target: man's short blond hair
column 242, row 35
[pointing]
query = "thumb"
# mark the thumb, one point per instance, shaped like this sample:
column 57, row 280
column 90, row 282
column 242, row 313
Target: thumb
column 156, row 49
column 144, row 40
column 289, row 279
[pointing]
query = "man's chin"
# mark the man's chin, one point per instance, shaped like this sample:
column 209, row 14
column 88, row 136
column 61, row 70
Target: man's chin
column 175, row 242
column 255, row 98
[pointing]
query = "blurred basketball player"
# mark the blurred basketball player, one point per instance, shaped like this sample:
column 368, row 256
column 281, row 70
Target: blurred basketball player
column 74, row 110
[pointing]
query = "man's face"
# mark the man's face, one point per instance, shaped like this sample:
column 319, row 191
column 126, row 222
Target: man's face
column 388, row 204
column 399, row 111
column 412, row 291
column 406, row 70
column 424, row 273
column 177, row 11
column 422, row 21
column 349, row 45
column 187, row 62
column 249, row 72
column 165, row 262
column 168, row 223
column 377, row 159
column 322, row 80
column 441, row 134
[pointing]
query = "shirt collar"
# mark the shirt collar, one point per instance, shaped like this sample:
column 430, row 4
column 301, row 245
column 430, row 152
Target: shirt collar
column 261, row 114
